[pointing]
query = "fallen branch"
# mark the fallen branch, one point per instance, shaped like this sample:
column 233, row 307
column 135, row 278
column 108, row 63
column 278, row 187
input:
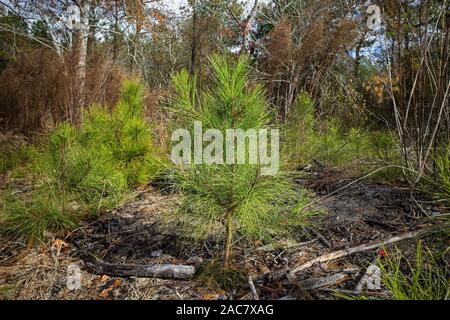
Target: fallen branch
column 322, row 238
column 164, row 271
column 314, row 284
column 350, row 251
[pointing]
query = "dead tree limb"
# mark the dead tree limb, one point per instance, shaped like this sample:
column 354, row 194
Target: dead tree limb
column 346, row 252
column 164, row 271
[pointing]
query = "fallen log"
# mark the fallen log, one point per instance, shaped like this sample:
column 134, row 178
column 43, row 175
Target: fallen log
column 347, row 252
column 163, row 271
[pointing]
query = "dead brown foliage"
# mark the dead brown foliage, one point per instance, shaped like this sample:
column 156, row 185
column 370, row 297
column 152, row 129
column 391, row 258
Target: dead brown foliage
column 302, row 48
column 36, row 89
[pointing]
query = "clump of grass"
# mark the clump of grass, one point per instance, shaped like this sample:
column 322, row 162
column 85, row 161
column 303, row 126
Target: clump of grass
column 14, row 151
column 31, row 218
column 424, row 279
column 234, row 197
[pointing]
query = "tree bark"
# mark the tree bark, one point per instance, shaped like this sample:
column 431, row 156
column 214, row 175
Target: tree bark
column 116, row 31
column 194, row 39
column 80, row 52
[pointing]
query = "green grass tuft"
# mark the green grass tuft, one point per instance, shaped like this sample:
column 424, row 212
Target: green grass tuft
column 29, row 219
column 423, row 279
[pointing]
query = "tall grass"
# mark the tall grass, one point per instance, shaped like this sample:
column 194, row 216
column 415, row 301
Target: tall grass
column 442, row 192
column 354, row 150
column 423, row 279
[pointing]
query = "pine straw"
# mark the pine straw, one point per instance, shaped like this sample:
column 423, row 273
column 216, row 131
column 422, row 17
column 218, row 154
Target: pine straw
column 42, row 275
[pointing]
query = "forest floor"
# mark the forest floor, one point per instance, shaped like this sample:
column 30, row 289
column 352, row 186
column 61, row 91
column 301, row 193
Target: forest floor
column 355, row 213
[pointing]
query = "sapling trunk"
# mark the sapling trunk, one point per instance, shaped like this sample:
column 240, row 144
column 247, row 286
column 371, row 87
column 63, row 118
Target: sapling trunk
column 229, row 242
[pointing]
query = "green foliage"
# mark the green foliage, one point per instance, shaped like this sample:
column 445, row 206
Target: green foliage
column 359, row 151
column 124, row 135
column 94, row 167
column 263, row 207
column 87, row 172
column 300, row 132
column 29, row 218
column 236, row 195
column 443, row 176
column 422, row 280
column 8, row 161
column 13, row 152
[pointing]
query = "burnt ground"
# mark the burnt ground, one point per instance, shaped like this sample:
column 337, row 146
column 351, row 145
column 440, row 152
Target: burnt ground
column 353, row 215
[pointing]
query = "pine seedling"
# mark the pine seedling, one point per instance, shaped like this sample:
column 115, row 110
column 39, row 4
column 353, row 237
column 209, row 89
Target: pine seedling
column 234, row 197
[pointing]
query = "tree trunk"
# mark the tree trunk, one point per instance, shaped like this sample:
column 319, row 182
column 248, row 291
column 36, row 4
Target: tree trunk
column 194, row 39
column 80, row 51
column 116, row 31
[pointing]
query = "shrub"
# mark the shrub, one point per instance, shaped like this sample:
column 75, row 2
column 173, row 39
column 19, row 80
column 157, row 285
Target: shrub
column 355, row 150
column 95, row 179
column 112, row 152
column 36, row 90
column 124, row 135
column 235, row 197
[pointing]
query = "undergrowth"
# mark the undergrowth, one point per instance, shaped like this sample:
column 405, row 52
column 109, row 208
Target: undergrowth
column 13, row 152
column 32, row 217
column 356, row 151
column 215, row 278
column 423, row 275
column 442, row 181
column 79, row 173
column 422, row 279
